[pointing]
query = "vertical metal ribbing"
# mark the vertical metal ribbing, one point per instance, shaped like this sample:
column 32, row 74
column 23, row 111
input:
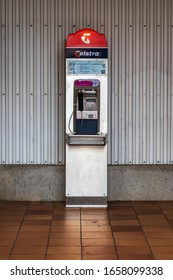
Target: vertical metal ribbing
column 2, row 84
column 32, row 77
column 171, row 83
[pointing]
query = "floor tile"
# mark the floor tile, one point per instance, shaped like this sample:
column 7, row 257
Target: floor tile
column 169, row 216
column 37, row 217
column 58, row 205
column 151, row 217
column 98, row 250
column 39, row 212
column 159, row 234
column 21, row 242
column 168, row 211
column 64, row 242
column 14, row 205
column 96, row 234
column 165, row 204
column 160, row 228
column 40, row 206
column 170, row 223
column 66, row 217
column 29, row 250
column 8, row 235
column 9, row 217
column 127, row 228
column 28, row 257
column 4, row 257
column 94, row 212
column 148, row 211
column 9, row 228
column 122, row 217
column 95, row 222
column 66, row 223
column 12, row 213
column 157, row 222
column 32, row 235
column 160, row 241
column 7, row 242
column 65, row 228
column 125, row 223
column 36, row 222
column 67, row 211
column 133, row 250
column 65, row 234
column 100, row 257
column 63, row 257
column 96, row 228
column 34, row 228
column 163, row 252
column 120, row 206
column 163, row 256
column 136, row 257
column 64, row 250
column 97, row 242
column 9, row 223
column 128, row 235
column 122, row 212
column 94, row 217
column 5, row 250
column 131, row 242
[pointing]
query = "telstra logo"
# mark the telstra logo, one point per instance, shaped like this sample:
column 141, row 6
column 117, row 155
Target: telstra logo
column 84, row 53
column 85, row 38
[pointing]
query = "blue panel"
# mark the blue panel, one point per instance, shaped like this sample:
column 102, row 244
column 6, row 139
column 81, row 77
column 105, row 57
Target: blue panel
column 86, row 127
column 86, row 53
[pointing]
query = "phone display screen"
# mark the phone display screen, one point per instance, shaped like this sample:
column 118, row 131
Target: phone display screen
column 76, row 67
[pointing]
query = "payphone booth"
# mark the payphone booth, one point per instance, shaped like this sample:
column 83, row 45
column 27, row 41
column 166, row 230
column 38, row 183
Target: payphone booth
column 86, row 119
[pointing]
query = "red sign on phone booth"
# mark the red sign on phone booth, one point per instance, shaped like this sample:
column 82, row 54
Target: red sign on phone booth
column 86, row 38
column 86, row 43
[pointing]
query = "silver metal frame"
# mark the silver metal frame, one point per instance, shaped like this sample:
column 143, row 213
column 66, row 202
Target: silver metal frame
column 98, row 140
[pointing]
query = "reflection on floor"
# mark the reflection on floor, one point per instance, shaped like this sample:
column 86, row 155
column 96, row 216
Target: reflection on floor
column 125, row 230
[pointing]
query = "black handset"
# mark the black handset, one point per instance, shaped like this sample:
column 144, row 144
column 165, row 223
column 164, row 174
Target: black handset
column 80, row 101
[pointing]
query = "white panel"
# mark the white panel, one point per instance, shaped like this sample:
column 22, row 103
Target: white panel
column 32, row 77
column 82, row 165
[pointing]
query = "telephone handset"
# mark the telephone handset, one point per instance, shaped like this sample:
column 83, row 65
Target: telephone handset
column 80, row 101
column 86, row 107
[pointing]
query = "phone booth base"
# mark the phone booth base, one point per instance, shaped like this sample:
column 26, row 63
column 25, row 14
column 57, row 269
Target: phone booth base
column 86, row 176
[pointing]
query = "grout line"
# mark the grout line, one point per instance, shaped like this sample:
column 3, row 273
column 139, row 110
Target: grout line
column 171, row 227
column 14, row 182
column 19, row 229
column 116, row 250
column 48, row 238
column 142, row 230
column 81, row 240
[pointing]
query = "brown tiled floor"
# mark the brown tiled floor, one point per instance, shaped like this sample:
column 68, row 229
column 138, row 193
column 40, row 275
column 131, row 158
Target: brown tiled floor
column 125, row 230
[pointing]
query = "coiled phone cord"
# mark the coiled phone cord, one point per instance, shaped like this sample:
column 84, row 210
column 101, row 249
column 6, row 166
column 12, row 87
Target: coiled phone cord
column 69, row 122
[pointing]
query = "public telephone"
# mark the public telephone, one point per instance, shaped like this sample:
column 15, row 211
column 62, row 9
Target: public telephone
column 86, row 119
column 87, row 103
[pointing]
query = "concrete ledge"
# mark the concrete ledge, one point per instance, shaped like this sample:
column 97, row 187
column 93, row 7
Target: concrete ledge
column 32, row 182
column 140, row 182
column 47, row 183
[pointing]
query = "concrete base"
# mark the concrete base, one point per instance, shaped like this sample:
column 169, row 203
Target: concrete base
column 32, row 183
column 140, row 182
column 47, row 183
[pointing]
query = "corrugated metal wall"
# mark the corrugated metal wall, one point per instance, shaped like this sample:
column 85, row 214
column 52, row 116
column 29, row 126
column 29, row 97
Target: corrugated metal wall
column 32, row 82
